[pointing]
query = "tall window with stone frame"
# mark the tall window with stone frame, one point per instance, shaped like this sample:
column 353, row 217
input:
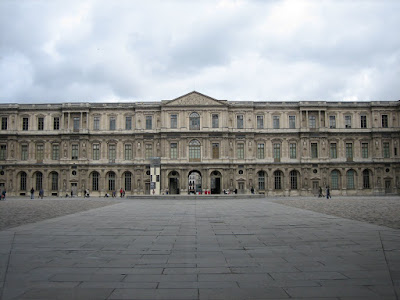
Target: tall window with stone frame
column 173, row 150
column 148, row 151
column 95, row 181
column 96, row 151
column 364, row 150
column 349, row 151
column 278, row 180
column 77, row 124
column 277, row 150
column 128, row 181
column 56, row 123
column 24, row 152
column 39, row 181
column 54, row 181
column 366, row 179
column 215, row 121
column 293, row 179
column 111, row 181
column 350, row 179
column 128, row 152
column 275, row 122
column 194, row 150
column 333, row 150
column 4, row 123
column 260, row 151
column 55, row 153
column 292, row 150
column 240, row 121
column 363, row 121
column 347, row 121
column 332, row 122
column 260, row 122
column 261, row 180
column 292, row 122
column 334, row 180
column 39, row 152
column 96, row 123
column 22, row 181
column 386, row 149
column 385, row 121
column 174, row 121
column 312, row 122
column 74, row 151
column 40, row 123
column 113, row 123
column 149, row 122
column 128, row 123
column 314, row 150
column 112, row 152
column 194, row 121
column 215, row 150
column 240, row 150
column 3, row 152
column 25, row 124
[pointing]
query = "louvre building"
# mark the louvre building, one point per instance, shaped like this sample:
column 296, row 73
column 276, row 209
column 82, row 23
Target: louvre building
column 198, row 144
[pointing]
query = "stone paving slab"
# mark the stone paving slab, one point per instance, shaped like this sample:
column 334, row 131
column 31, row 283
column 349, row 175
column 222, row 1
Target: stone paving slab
column 199, row 249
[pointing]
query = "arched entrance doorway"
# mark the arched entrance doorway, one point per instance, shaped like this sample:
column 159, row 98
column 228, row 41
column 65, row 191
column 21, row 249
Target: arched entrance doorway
column 215, row 182
column 194, row 182
column 173, row 183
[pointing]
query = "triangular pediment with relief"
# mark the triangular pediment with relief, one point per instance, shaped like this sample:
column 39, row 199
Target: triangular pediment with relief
column 195, row 99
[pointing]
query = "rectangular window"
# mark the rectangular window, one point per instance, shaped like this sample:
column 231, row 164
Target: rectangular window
column 215, row 121
column 24, row 152
column 275, row 121
column 96, row 151
column 260, row 122
column 332, row 122
column 333, row 150
column 77, row 122
column 4, row 123
column 112, row 123
column 386, row 150
column 174, row 121
column 240, row 123
column 55, row 153
column 240, row 151
column 312, row 123
column 128, row 152
column 56, row 123
column 25, row 124
column 96, row 123
column 74, row 151
column 149, row 122
column 349, row 150
column 174, row 150
column 347, row 121
column 112, row 152
column 128, row 123
column 292, row 150
column 3, row 152
column 292, row 122
column 314, row 150
column 260, row 151
column 364, row 150
column 39, row 152
column 215, row 150
column 40, row 123
column 385, row 121
column 363, row 122
column 277, row 151
column 148, row 151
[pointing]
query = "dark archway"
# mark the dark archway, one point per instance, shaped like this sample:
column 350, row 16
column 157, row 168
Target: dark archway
column 194, row 182
column 216, row 179
column 173, row 183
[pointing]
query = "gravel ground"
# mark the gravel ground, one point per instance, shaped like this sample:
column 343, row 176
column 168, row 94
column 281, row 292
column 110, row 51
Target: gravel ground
column 16, row 212
column 383, row 211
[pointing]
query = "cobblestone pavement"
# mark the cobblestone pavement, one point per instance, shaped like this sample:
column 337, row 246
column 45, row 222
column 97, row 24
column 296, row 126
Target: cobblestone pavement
column 199, row 249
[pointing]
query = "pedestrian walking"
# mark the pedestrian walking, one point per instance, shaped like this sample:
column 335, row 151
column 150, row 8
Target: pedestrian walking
column 328, row 193
column 32, row 193
column 3, row 195
column 41, row 192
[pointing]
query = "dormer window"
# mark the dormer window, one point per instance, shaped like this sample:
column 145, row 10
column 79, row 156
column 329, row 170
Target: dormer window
column 194, row 121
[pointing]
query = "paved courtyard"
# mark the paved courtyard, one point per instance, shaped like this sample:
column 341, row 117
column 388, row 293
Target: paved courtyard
column 199, row 249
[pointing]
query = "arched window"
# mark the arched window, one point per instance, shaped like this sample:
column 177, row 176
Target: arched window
column 350, row 179
column 278, row 180
column 293, row 180
column 194, row 121
column 111, row 181
column 128, row 181
column 95, row 181
column 261, row 180
column 335, row 180
column 22, row 182
column 39, row 181
column 194, row 150
column 54, row 181
column 366, row 181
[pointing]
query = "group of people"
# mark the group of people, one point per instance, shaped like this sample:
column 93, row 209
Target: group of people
column 114, row 193
column 41, row 193
column 328, row 193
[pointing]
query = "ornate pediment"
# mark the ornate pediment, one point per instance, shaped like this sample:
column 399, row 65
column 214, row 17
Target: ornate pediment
column 195, row 99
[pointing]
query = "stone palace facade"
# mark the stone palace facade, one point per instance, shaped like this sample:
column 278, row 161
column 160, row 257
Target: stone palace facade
column 195, row 143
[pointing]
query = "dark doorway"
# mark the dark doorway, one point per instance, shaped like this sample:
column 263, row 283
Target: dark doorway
column 215, row 185
column 173, row 186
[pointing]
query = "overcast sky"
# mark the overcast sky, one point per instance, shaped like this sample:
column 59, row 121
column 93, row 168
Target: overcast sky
column 104, row 51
